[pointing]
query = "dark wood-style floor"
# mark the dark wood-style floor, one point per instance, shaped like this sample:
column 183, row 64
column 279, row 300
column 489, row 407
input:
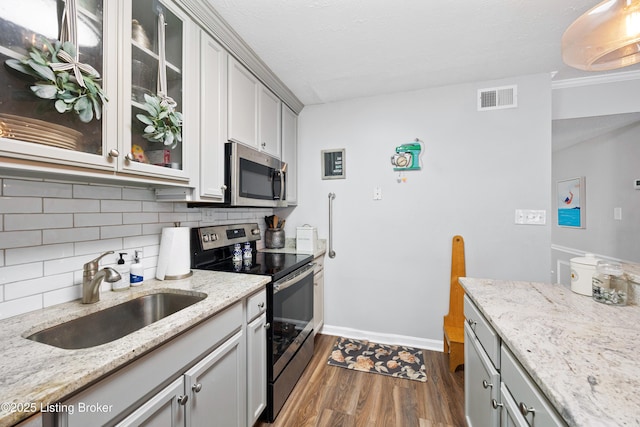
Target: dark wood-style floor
column 329, row 396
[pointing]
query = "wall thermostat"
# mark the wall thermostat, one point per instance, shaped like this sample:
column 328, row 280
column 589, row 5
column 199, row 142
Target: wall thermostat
column 636, row 184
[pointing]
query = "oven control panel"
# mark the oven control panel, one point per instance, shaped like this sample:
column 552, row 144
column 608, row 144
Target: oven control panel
column 219, row 236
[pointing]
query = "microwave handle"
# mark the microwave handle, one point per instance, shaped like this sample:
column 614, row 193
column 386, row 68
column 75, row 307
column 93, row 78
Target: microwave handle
column 283, row 185
column 281, row 193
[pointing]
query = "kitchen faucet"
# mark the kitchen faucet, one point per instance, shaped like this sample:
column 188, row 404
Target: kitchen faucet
column 91, row 279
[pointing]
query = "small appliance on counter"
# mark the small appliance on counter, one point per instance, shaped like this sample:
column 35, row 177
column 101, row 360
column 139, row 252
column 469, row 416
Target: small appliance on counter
column 582, row 271
column 306, row 238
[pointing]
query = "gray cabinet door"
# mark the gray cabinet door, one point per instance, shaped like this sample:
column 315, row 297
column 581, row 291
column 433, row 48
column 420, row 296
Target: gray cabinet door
column 216, row 387
column 162, row 410
column 481, row 384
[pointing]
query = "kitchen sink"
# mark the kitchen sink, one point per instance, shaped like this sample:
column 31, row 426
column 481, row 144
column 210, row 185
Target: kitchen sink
column 115, row 322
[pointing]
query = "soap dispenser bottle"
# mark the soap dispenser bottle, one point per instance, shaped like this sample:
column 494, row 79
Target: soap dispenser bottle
column 137, row 270
column 123, row 268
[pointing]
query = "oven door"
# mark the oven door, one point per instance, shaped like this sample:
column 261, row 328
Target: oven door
column 253, row 178
column 290, row 314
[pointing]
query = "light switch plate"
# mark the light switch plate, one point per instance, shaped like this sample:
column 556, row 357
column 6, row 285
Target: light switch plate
column 531, row 217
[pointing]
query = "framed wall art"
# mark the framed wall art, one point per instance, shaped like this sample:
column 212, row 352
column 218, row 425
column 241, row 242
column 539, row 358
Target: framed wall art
column 333, row 164
column 570, row 194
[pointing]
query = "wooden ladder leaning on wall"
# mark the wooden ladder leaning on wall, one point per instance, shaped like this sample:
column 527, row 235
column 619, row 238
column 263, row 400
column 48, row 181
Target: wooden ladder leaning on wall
column 454, row 321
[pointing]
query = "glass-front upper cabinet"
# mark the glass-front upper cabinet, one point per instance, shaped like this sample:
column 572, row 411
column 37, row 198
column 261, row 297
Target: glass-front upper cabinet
column 153, row 135
column 54, row 99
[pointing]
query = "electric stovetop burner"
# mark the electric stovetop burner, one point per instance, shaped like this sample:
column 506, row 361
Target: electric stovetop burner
column 212, row 249
column 276, row 265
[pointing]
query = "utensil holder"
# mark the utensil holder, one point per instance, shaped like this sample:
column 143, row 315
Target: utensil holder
column 274, row 238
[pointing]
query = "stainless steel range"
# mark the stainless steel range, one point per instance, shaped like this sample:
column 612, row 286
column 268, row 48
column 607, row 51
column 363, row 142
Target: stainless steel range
column 289, row 300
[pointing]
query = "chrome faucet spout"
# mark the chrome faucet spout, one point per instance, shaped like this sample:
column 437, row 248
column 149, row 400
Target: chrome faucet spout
column 92, row 278
column 91, row 290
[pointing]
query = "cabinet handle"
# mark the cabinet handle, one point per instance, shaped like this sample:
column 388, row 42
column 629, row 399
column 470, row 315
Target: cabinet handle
column 114, row 153
column 261, row 305
column 267, row 325
column 264, row 145
column 196, row 387
column 129, row 157
column 223, row 187
column 495, row 404
column 486, row 384
column 471, row 323
column 182, row 400
column 524, row 410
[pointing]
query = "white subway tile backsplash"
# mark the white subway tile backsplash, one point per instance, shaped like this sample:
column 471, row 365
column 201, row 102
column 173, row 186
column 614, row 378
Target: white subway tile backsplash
column 65, row 235
column 121, row 206
column 97, row 247
column 17, row 239
column 157, row 207
column 139, row 217
column 37, row 286
column 142, row 241
column 97, row 219
column 59, row 296
column 19, row 306
column 154, row 228
column 13, row 222
column 65, row 265
column 35, row 188
column 173, row 217
column 20, row 205
column 98, row 192
column 38, row 253
column 15, row 273
column 120, row 231
column 49, row 230
column 70, row 205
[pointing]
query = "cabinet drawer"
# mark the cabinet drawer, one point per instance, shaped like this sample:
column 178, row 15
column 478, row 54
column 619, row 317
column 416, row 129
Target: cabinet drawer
column 256, row 305
column 484, row 332
column 526, row 394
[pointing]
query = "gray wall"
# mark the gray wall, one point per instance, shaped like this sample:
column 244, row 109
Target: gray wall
column 391, row 273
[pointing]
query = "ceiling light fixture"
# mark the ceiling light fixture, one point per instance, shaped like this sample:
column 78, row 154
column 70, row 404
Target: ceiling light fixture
column 605, row 38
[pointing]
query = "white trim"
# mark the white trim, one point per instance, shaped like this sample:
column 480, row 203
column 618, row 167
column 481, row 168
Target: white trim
column 568, row 250
column 383, row 338
column 596, row 80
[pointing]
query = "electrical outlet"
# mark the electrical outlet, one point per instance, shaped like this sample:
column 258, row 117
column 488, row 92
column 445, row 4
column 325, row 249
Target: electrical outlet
column 531, row 217
column 377, row 193
column 617, row 214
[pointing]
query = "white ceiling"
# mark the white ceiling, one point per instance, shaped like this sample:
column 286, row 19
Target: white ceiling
column 330, row 50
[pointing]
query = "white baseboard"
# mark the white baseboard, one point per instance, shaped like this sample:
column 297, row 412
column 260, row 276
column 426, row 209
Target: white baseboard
column 381, row 338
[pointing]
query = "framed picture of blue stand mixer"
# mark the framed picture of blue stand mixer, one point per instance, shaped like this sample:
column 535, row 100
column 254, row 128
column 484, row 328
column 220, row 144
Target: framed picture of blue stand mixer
column 333, row 164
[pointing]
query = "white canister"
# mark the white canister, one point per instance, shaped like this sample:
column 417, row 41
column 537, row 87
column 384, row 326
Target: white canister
column 306, row 238
column 582, row 271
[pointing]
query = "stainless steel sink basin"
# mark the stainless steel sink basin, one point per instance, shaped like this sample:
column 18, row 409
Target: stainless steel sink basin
column 115, row 322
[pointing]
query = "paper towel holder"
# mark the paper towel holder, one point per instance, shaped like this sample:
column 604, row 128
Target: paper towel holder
column 174, row 249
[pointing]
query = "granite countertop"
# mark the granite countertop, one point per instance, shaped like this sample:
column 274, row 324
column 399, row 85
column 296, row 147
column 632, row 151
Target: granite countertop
column 290, row 247
column 584, row 356
column 35, row 373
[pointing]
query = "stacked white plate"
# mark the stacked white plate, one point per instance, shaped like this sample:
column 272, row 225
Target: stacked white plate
column 38, row 131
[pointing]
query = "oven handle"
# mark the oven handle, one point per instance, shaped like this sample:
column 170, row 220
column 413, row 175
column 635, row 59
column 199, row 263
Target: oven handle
column 293, row 278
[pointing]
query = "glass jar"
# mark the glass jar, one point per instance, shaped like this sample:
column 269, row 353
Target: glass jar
column 610, row 284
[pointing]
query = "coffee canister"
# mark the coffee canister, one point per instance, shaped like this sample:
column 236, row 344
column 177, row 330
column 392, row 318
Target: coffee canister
column 582, row 271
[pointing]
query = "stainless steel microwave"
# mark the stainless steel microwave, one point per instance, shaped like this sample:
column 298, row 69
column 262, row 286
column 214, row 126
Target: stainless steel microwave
column 253, row 178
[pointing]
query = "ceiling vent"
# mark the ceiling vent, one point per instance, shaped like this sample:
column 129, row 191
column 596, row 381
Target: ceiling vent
column 497, row 98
